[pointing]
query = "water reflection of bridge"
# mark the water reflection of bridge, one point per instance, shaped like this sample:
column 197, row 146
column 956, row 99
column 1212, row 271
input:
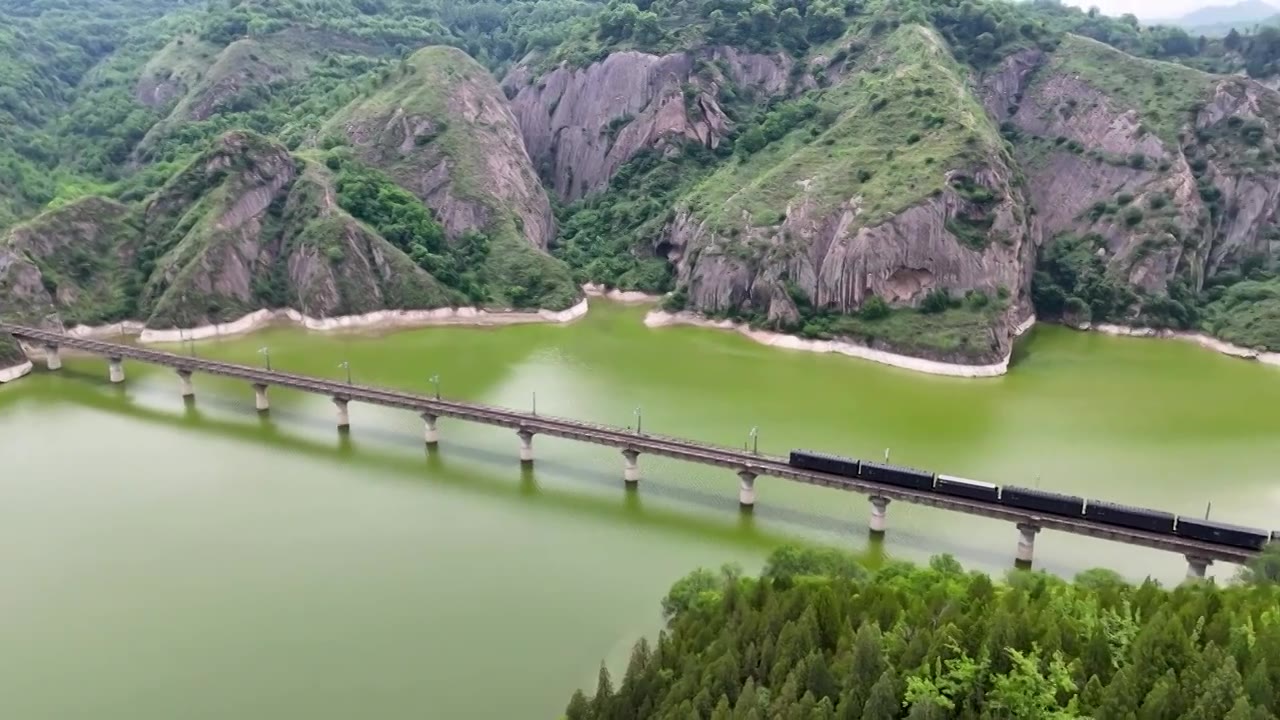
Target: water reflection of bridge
column 632, row 443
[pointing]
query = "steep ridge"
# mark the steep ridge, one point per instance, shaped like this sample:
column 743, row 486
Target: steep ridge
column 441, row 128
column 1170, row 173
column 243, row 227
column 581, row 125
column 905, row 192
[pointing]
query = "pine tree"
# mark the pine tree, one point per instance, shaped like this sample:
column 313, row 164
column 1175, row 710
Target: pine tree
column 1164, row 702
column 747, row 701
column 1258, row 686
column 722, row 711
column 1119, row 700
column 579, row 708
column 602, row 702
column 1091, row 696
column 1239, row 711
column 883, row 702
column 1218, row 694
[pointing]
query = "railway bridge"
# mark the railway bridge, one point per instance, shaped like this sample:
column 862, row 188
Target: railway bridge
column 631, row 444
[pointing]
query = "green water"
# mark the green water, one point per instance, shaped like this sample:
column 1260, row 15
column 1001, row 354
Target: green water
column 163, row 561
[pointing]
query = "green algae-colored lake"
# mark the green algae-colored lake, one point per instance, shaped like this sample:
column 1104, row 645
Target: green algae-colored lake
column 162, row 561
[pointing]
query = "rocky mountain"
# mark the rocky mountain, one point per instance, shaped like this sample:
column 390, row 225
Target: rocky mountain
column 1239, row 15
column 920, row 177
column 441, row 128
column 246, row 225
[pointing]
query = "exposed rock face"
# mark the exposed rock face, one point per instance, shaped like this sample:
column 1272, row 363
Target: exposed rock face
column 66, row 258
column 581, row 124
column 245, row 226
column 839, row 265
column 1094, row 164
column 805, row 232
column 442, row 129
column 446, row 133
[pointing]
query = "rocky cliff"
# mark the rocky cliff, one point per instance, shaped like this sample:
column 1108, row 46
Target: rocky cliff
column 581, row 125
column 903, row 190
column 244, row 226
column 1172, row 170
column 441, row 128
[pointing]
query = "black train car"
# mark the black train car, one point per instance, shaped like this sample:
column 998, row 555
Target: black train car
column 822, row 462
column 965, row 488
column 894, row 475
column 1222, row 533
column 1042, row 501
column 1130, row 517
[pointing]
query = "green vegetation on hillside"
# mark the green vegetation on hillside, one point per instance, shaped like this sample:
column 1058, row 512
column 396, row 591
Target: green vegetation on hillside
column 407, row 224
column 819, row 637
column 882, row 138
column 1166, row 95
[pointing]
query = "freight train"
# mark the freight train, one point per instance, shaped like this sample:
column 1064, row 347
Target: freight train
column 1040, row 501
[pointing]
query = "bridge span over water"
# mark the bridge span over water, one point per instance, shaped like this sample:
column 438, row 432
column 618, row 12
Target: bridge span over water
column 631, row 443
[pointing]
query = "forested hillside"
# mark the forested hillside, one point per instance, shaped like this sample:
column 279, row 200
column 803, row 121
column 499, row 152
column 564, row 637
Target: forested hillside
column 917, row 175
column 818, row 637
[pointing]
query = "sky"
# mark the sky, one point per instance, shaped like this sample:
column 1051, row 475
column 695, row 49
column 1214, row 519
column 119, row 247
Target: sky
column 1148, row 9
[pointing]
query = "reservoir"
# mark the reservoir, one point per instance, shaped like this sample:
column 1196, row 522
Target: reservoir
column 161, row 559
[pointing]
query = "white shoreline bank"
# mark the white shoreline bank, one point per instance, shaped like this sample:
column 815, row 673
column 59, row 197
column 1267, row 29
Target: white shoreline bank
column 1204, row 341
column 628, row 297
column 382, row 319
column 10, row 374
column 660, row 318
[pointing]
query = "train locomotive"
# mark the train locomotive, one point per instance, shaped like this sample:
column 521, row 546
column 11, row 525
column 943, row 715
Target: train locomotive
column 1034, row 500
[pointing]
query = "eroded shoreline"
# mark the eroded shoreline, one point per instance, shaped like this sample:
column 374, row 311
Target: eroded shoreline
column 1205, row 341
column 406, row 319
column 661, row 318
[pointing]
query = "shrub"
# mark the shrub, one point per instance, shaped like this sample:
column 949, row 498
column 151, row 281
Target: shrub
column 976, row 299
column 1157, row 201
column 1132, row 216
column 1137, row 161
column 875, row 308
column 938, row 300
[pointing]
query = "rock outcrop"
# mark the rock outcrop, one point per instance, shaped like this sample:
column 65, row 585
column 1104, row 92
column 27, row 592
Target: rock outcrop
column 1177, row 183
column 800, row 227
column 245, row 226
column 581, row 124
column 441, row 128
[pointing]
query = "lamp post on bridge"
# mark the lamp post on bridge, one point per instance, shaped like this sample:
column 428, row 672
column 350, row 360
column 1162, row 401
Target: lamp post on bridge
column 346, row 365
column 266, row 352
column 755, row 440
column 639, row 420
column 435, row 380
column 535, row 402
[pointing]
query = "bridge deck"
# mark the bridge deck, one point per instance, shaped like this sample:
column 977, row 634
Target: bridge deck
column 625, row 439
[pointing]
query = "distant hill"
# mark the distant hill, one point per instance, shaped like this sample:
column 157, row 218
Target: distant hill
column 1219, row 19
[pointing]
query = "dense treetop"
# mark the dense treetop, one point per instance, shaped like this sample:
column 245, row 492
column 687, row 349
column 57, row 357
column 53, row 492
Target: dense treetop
column 819, row 637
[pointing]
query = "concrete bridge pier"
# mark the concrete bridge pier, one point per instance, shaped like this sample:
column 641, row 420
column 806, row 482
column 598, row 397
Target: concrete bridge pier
column 52, row 358
column 262, row 402
column 1197, row 567
column 1026, row 542
column 526, row 447
column 116, row 369
column 184, row 380
column 344, row 419
column 746, row 489
column 879, row 514
column 431, row 434
column 630, row 467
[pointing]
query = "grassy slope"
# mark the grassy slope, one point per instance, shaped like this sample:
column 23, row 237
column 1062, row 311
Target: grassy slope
column 91, row 238
column 1164, row 94
column 883, row 127
column 423, row 87
column 314, row 222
